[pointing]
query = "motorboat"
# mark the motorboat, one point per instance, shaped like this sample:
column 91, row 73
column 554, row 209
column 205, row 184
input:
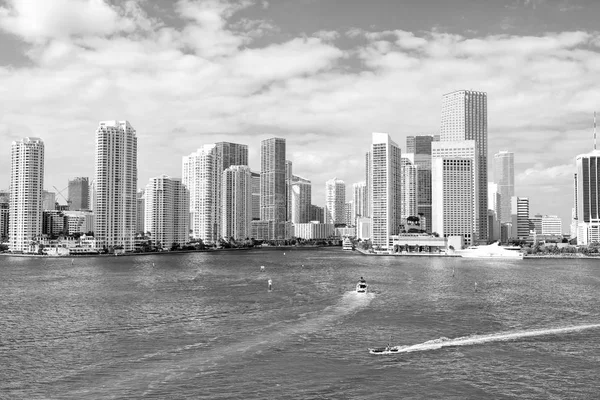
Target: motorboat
column 494, row 251
column 361, row 286
column 384, row 350
column 347, row 244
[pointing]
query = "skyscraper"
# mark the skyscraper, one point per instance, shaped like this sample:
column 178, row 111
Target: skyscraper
column 464, row 117
column 504, row 177
column 48, row 200
column 587, row 196
column 255, row 196
column 116, row 185
column 236, row 192
column 167, row 211
column 335, row 198
column 227, row 154
column 301, row 197
column 79, row 191
column 522, row 217
column 273, row 200
column 420, row 147
column 26, row 185
column 409, row 186
column 360, row 200
column 385, row 189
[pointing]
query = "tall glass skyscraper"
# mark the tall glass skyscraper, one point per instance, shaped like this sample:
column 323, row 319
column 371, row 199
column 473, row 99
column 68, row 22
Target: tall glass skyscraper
column 79, row 191
column 335, row 200
column 587, row 196
column 273, row 189
column 504, row 177
column 26, row 185
column 464, row 117
column 116, row 185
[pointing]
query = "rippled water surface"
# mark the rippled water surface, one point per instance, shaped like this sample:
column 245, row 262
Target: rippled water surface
column 204, row 325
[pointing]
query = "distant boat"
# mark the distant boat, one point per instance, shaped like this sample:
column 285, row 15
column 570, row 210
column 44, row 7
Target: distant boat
column 493, row 250
column 347, row 244
column 361, row 286
column 56, row 251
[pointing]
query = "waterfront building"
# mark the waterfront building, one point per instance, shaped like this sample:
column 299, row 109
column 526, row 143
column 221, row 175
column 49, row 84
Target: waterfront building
column 454, row 190
column 535, row 224
column 408, row 183
column 342, row 232
column 141, row 212
column 551, row 225
column 261, row 230
column 314, row 230
column 464, row 118
column 494, row 209
column 385, row 189
column 363, row 228
column 236, row 192
column 54, row 223
column 167, row 205
column 115, row 179
column 335, row 199
column 587, row 194
column 349, row 216
column 300, row 198
column 521, row 204
column 360, row 200
column 78, row 221
column 26, row 185
column 255, row 196
column 273, row 189
column 48, row 200
column 420, row 148
column 4, row 217
column 79, row 193
column 504, row 177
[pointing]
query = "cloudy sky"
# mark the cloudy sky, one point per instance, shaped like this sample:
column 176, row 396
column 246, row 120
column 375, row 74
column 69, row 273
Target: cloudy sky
column 323, row 74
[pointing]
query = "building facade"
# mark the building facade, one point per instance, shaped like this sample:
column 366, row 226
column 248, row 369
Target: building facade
column 26, row 186
column 273, row 188
column 167, row 205
column 360, row 200
column 301, row 198
column 385, row 189
column 79, row 194
column 504, row 177
column 335, row 200
column 464, row 117
column 236, row 192
column 587, row 195
column 115, row 204
column 409, row 186
column 523, row 226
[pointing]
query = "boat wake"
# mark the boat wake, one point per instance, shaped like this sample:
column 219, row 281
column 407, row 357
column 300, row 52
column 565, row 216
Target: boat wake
column 494, row 337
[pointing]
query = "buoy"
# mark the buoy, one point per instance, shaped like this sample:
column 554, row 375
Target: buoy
column 270, row 282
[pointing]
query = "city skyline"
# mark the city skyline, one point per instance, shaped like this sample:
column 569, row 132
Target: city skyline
column 255, row 73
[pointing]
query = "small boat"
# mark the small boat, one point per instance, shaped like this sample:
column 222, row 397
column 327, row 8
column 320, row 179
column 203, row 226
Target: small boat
column 347, row 244
column 361, row 286
column 384, row 350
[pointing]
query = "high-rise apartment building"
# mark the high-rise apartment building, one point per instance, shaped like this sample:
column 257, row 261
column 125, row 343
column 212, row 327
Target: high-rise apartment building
column 26, row 185
column 4, row 215
column 115, row 204
column 464, row 117
column 79, row 193
column 236, row 192
column 167, row 208
column 504, row 177
column 228, row 154
column 420, row 148
column 385, row 189
column 48, row 200
column 335, row 198
column 140, row 223
column 255, row 196
column 360, row 200
column 273, row 189
column 409, row 186
column 523, row 227
column 317, row 214
column 587, row 195
column 454, row 187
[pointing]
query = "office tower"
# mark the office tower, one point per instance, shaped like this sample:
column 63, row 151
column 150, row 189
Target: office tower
column 504, row 177
column 522, row 206
column 360, row 200
column 288, row 194
column 368, row 185
column 535, row 224
column 335, row 198
column 228, row 154
column 317, row 213
column 420, row 147
column 453, row 188
column 198, row 176
column 408, row 183
column 141, row 212
column 587, row 196
column 551, row 225
column 255, row 196
column 4, row 214
column 54, row 223
column 349, row 215
column 26, row 183
column 79, row 192
column 167, row 207
column 48, row 200
column 236, row 192
column 385, row 189
column 464, row 117
column 301, row 197
column 494, row 230
column 116, row 185
column 273, row 202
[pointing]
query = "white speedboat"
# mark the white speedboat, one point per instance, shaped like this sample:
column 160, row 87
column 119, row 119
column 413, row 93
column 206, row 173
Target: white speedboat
column 493, row 250
column 361, row 286
column 347, row 244
column 384, row 350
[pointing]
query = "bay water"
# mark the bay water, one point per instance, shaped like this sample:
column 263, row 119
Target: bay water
column 205, row 325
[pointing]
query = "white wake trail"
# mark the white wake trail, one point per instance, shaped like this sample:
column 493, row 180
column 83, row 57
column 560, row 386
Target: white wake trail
column 494, row 337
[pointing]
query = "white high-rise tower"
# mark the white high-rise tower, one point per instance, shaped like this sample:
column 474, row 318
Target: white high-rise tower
column 166, row 211
column 26, row 185
column 504, row 177
column 115, row 180
column 335, row 200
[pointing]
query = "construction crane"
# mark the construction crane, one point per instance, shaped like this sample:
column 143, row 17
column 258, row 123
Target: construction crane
column 63, row 196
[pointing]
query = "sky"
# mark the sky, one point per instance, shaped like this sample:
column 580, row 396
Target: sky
column 323, row 74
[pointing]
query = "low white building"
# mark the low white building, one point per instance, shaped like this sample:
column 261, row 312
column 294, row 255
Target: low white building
column 314, row 230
